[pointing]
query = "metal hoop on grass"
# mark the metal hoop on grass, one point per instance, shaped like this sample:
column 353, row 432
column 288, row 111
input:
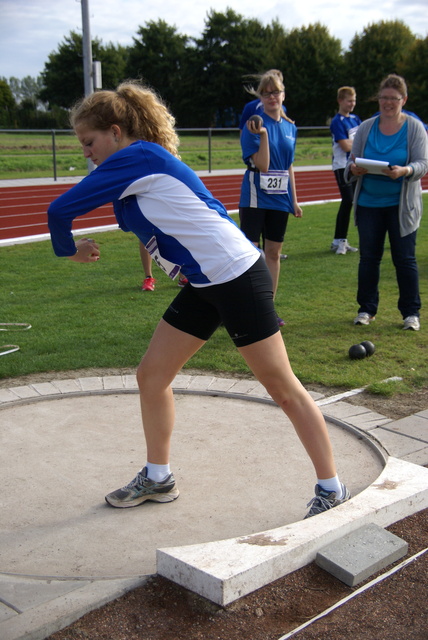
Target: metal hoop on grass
column 12, row 326
column 10, row 348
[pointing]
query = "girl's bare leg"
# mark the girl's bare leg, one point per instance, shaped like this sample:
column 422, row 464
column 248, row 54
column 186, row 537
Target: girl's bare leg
column 272, row 256
column 146, row 261
column 168, row 351
column 269, row 362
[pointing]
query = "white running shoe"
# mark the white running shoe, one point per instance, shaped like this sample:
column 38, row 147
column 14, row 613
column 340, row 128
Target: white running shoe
column 343, row 247
column 351, row 249
column 412, row 322
column 364, row 318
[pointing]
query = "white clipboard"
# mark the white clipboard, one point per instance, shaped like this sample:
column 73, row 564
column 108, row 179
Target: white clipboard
column 372, row 166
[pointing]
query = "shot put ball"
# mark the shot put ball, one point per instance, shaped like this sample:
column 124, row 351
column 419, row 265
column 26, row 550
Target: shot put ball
column 357, row 352
column 369, row 347
column 258, row 120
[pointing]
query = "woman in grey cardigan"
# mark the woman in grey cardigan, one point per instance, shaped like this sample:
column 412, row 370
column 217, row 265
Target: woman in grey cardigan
column 388, row 200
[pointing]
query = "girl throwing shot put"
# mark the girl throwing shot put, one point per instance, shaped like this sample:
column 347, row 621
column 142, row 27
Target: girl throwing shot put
column 129, row 134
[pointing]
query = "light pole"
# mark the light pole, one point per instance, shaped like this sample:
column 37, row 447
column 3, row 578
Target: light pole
column 87, row 49
column 87, row 60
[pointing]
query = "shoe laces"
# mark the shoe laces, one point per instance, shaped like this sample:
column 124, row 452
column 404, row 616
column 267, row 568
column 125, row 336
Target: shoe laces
column 320, row 503
column 137, row 482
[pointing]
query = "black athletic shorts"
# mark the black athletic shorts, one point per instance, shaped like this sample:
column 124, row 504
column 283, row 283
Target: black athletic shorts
column 244, row 305
column 272, row 223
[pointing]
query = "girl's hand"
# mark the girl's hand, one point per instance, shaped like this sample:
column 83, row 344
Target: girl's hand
column 87, row 251
column 256, row 126
column 298, row 212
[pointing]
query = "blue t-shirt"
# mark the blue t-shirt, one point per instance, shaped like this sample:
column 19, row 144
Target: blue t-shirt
column 342, row 128
column 159, row 198
column 282, row 143
column 381, row 191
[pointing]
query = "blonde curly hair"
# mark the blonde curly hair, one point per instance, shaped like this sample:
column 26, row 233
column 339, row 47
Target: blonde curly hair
column 136, row 108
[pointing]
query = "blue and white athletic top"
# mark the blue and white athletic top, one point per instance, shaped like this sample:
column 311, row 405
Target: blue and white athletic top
column 282, row 143
column 159, row 198
column 342, row 128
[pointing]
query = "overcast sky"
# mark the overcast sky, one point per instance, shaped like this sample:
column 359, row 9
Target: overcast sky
column 31, row 29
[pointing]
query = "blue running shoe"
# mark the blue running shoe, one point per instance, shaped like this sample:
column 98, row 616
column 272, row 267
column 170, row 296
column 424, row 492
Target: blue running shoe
column 325, row 500
column 142, row 489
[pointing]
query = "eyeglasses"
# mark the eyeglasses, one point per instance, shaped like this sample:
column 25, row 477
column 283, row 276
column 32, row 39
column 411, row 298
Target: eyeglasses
column 268, row 94
column 388, row 99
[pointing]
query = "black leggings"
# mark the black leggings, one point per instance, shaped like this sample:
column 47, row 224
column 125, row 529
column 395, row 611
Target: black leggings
column 244, row 305
column 343, row 215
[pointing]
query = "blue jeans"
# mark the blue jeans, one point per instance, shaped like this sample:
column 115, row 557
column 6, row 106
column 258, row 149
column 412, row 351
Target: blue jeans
column 373, row 225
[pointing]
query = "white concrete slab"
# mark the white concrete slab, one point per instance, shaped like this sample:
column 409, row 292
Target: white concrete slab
column 226, row 570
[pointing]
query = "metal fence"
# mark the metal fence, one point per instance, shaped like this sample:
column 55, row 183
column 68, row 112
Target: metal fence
column 204, row 155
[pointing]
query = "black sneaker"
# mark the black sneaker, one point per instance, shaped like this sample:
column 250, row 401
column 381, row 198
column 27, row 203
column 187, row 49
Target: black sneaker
column 325, row 500
column 141, row 489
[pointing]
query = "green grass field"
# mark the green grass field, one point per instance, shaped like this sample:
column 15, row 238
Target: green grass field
column 30, row 155
column 94, row 315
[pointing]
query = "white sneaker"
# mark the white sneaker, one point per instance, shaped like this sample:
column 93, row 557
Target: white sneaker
column 364, row 318
column 412, row 322
column 343, row 247
column 349, row 248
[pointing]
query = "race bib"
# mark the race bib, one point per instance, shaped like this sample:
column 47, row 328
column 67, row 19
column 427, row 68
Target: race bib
column 274, row 181
column 171, row 269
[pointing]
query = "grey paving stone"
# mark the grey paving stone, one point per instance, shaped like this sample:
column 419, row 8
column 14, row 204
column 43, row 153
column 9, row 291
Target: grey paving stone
column 113, row 382
column 27, row 593
column 361, row 553
column 24, row 392
column 243, row 386
column 67, row 386
column 222, row 384
column 403, row 437
column 91, row 383
column 7, row 612
column 368, row 421
column 343, row 410
column 417, row 457
column 413, row 426
column 131, row 382
column 45, row 388
column 200, row 383
column 6, row 395
column 181, row 381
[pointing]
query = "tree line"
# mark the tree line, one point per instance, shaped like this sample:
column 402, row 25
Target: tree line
column 204, row 80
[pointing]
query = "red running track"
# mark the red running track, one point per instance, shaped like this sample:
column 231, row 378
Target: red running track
column 23, row 209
